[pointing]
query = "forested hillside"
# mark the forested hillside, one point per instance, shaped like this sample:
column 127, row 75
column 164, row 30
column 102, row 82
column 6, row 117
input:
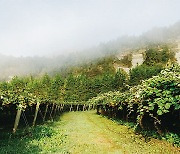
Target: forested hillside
column 37, row 66
column 146, row 99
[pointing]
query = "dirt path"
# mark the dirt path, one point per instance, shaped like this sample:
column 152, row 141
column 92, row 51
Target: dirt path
column 88, row 137
column 84, row 133
column 87, row 132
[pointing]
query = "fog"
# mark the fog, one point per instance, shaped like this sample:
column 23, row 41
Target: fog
column 60, row 27
column 39, row 36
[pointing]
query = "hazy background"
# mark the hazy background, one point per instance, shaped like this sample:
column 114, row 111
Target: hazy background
column 38, row 36
column 50, row 27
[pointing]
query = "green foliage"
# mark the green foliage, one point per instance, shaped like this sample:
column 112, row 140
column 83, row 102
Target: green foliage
column 120, row 80
column 78, row 86
column 94, row 68
column 155, row 60
column 159, row 55
column 21, row 142
column 27, row 91
column 172, row 138
column 156, row 98
column 143, row 72
column 162, row 92
column 15, row 92
column 126, row 60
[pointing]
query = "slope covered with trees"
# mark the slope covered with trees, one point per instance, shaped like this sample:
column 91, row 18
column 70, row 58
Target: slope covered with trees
column 147, row 96
column 21, row 66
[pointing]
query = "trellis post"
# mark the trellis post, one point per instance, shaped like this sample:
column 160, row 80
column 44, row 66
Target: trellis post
column 89, row 107
column 36, row 113
column 62, row 107
column 55, row 110
column 77, row 107
column 71, row 108
column 51, row 111
column 16, row 123
column 83, row 107
column 45, row 113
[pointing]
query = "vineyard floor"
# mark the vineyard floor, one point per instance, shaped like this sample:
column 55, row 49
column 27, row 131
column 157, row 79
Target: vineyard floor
column 86, row 133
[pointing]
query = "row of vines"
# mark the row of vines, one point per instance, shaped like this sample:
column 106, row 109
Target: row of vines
column 28, row 100
column 152, row 105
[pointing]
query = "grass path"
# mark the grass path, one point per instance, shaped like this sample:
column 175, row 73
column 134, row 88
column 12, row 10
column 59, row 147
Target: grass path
column 87, row 132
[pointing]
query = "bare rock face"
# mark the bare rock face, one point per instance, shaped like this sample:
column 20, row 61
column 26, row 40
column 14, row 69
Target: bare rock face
column 126, row 69
column 178, row 56
column 178, row 53
column 137, row 59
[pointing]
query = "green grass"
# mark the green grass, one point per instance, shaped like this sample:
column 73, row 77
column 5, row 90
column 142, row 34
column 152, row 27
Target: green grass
column 170, row 137
column 82, row 132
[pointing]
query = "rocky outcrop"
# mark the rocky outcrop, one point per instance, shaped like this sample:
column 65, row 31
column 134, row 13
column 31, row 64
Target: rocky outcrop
column 137, row 59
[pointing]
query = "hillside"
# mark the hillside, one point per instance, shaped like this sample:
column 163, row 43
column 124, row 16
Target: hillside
column 21, row 66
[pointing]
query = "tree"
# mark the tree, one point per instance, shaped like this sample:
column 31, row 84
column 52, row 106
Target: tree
column 120, row 80
column 155, row 56
column 143, row 72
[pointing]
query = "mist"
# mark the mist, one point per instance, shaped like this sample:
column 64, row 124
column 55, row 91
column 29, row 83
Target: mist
column 53, row 27
column 40, row 36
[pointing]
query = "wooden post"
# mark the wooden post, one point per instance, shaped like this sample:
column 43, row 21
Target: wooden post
column 77, row 107
column 63, row 107
column 36, row 113
column 52, row 111
column 58, row 109
column 52, row 108
column 83, row 107
column 45, row 113
column 70, row 108
column 16, row 123
column 55, row 110
column 94, row 106
column 89, row 107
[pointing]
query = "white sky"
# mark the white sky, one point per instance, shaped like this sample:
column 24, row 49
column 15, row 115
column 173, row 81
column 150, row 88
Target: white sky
column 44, row 27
